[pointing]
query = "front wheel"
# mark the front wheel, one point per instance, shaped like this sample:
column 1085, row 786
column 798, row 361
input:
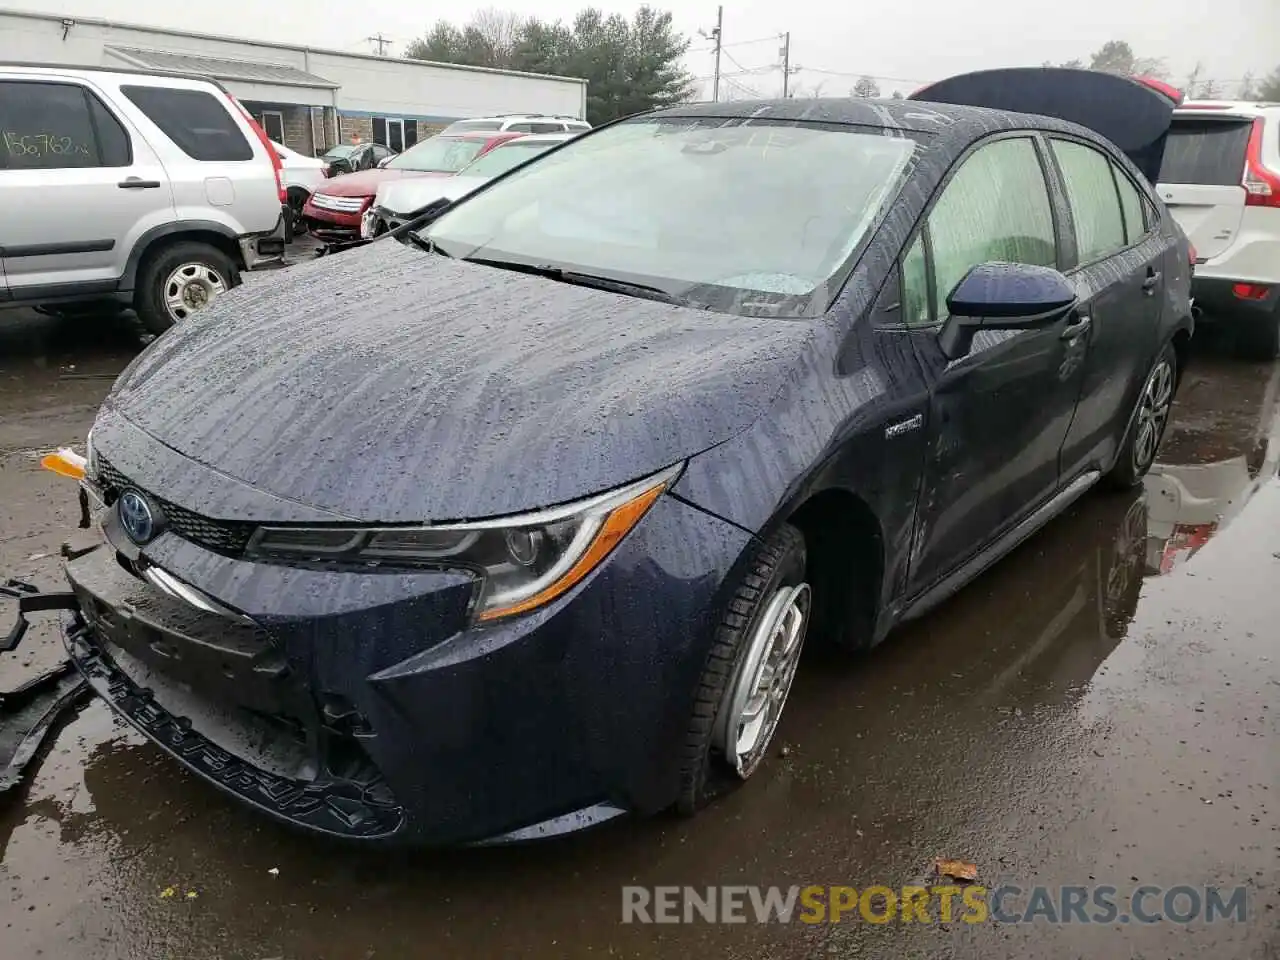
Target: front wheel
column 180, row 281
column 1147, row 423
column 748, row 673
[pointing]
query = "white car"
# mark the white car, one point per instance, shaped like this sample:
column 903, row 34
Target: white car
column 1220, row 178
column 396, row 200
column 521, row 123
column 301, row 175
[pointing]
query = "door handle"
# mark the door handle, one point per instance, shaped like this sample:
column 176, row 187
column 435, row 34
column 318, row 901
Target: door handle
column 1077, row 327
column 1149, row 284
column 136, row 183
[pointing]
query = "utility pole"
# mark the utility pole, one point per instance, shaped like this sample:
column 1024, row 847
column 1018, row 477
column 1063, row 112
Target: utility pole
column 786, row 62
column 382, row 43
column 715, row 35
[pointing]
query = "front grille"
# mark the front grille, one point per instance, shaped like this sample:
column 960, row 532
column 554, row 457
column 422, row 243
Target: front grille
column 224, row 536
column 339, row 204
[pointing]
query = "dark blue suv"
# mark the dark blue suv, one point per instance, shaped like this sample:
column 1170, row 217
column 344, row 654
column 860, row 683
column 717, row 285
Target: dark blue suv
column 521, row 524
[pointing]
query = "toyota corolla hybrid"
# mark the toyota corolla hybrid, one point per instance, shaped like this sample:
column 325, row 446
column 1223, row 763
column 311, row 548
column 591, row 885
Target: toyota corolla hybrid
column 522, row 525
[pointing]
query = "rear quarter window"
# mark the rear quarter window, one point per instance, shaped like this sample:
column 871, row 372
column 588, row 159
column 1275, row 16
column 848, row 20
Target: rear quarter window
column 199, row 123
column 1206, row 151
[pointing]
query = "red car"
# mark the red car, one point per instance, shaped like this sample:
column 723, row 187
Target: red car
column 333, row 211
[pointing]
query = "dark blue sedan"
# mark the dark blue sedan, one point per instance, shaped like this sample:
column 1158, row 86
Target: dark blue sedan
column 522, row 524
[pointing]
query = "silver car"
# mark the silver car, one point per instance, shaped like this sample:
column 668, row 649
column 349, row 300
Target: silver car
column 128, row 188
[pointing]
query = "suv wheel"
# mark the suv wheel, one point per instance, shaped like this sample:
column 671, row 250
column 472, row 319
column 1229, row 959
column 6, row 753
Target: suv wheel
column 179, row 281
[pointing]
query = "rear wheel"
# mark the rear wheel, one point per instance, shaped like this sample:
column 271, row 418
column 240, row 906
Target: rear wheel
column 1147, row 422
column 748, row 673
column 1259, row 339
column 180, row 281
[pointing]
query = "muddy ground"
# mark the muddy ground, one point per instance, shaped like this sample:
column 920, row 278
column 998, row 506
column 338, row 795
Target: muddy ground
column 1100, row 708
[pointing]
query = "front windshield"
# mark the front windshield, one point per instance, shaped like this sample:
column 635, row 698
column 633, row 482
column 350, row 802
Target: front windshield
column 503, row 158
column 437, row 155
column 741, row 215
column 340, row 152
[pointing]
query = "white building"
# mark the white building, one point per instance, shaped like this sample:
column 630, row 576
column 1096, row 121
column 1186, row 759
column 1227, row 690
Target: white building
column 308, row 99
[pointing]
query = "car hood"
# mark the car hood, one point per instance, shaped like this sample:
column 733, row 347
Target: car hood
column 365, row 183
column 392, row 385
column 406, row 196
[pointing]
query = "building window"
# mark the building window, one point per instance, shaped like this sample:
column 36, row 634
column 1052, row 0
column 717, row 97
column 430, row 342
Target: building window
column 273, row 123
column 389, row 132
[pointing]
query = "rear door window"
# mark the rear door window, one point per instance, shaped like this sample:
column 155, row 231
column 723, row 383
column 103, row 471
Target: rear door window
column 196, row 121
column 1205, row 151
column 1135, row 224
column 1094, row 200
column 57, row 126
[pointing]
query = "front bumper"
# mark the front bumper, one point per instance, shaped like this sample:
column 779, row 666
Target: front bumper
column 360, row 704
column 327, row 224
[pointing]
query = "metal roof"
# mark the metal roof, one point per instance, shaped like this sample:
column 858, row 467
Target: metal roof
column 247, row 71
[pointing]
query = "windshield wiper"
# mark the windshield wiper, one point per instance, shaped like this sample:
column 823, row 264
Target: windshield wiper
column 577, row 279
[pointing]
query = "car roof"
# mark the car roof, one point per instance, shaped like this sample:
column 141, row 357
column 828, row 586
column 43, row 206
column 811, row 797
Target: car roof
column 58, row 68
column 945, row 121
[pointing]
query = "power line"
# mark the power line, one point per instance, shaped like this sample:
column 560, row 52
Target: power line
column 382, row 42
column 735, row 43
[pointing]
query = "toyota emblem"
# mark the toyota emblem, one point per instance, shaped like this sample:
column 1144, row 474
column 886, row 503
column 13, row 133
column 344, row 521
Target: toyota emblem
column 136, row 516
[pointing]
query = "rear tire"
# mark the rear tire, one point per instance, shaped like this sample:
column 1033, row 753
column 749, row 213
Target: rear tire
column 758, row 639
column 180, row 280
column 1147, row 422
column 1259, row 339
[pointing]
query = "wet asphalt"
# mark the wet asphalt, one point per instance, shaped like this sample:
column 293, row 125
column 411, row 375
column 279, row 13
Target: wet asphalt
column 1100, row 708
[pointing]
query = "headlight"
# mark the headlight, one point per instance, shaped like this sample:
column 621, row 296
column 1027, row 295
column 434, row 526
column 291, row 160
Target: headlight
column 524, row 561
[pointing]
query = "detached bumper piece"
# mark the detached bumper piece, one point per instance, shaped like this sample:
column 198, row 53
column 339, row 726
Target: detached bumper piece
column 29, row 713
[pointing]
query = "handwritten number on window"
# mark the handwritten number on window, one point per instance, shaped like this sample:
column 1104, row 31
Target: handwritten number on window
column 42, row 145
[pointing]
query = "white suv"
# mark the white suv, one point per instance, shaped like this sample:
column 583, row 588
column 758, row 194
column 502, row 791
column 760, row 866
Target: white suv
column 1220, row 179
column 521, row 123
column 143, row 189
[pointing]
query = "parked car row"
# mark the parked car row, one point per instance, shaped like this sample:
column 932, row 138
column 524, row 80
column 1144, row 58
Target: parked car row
column 334, row 212
column 522, row 525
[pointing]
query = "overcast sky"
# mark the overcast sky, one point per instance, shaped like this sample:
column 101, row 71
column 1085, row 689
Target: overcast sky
column 906, row 43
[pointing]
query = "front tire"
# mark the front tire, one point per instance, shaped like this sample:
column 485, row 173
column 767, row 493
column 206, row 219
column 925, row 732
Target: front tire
column 179, row 281
column 748, row 672
column 1147, row 423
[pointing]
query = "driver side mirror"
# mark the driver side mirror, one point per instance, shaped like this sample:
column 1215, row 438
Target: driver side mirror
column 383, row 162
column 1003, row 296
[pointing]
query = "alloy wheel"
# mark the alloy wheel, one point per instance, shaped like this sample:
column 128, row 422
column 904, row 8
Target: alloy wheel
column 191, row 287
column 1153, row 415
column 753, row 703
